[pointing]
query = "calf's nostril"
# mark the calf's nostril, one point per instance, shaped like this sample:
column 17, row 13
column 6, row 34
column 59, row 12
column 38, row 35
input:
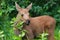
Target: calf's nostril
column 27, row 22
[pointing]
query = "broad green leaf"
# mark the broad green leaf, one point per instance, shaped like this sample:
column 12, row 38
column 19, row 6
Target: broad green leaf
column 58, row 11
column 0, row 12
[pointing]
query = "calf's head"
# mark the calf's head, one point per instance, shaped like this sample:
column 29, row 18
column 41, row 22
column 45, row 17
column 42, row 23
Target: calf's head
column 24, row 13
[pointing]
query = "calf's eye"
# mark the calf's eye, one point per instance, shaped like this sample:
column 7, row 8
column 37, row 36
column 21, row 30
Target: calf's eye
column 22, row 15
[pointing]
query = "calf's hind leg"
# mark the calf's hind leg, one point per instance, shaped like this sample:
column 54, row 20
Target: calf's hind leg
column 51, row 33
column 29, row 33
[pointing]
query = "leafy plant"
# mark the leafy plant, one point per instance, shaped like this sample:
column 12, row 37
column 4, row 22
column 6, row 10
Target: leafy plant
column 57, row 35
column 1, row 35
column 19, row 26
column 42, row 36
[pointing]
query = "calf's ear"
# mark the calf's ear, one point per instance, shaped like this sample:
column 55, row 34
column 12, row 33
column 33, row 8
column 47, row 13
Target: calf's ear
column 29, row 7
column 18, row 7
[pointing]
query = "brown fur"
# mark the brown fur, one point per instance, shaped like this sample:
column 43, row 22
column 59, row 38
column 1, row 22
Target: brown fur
column 38, row 25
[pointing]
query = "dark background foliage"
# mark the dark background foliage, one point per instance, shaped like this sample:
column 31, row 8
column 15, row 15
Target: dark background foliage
column 39, row 7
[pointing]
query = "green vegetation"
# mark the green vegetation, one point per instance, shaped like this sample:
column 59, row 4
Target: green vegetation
column 40, row 7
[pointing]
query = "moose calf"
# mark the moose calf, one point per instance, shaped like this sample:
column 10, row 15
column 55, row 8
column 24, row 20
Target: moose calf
column 35, row 25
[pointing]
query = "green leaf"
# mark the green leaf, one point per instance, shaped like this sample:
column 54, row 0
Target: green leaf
column 1, row 32
column 0, row 12
column 1, row 36
column 22, row 34
column 58, row 11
